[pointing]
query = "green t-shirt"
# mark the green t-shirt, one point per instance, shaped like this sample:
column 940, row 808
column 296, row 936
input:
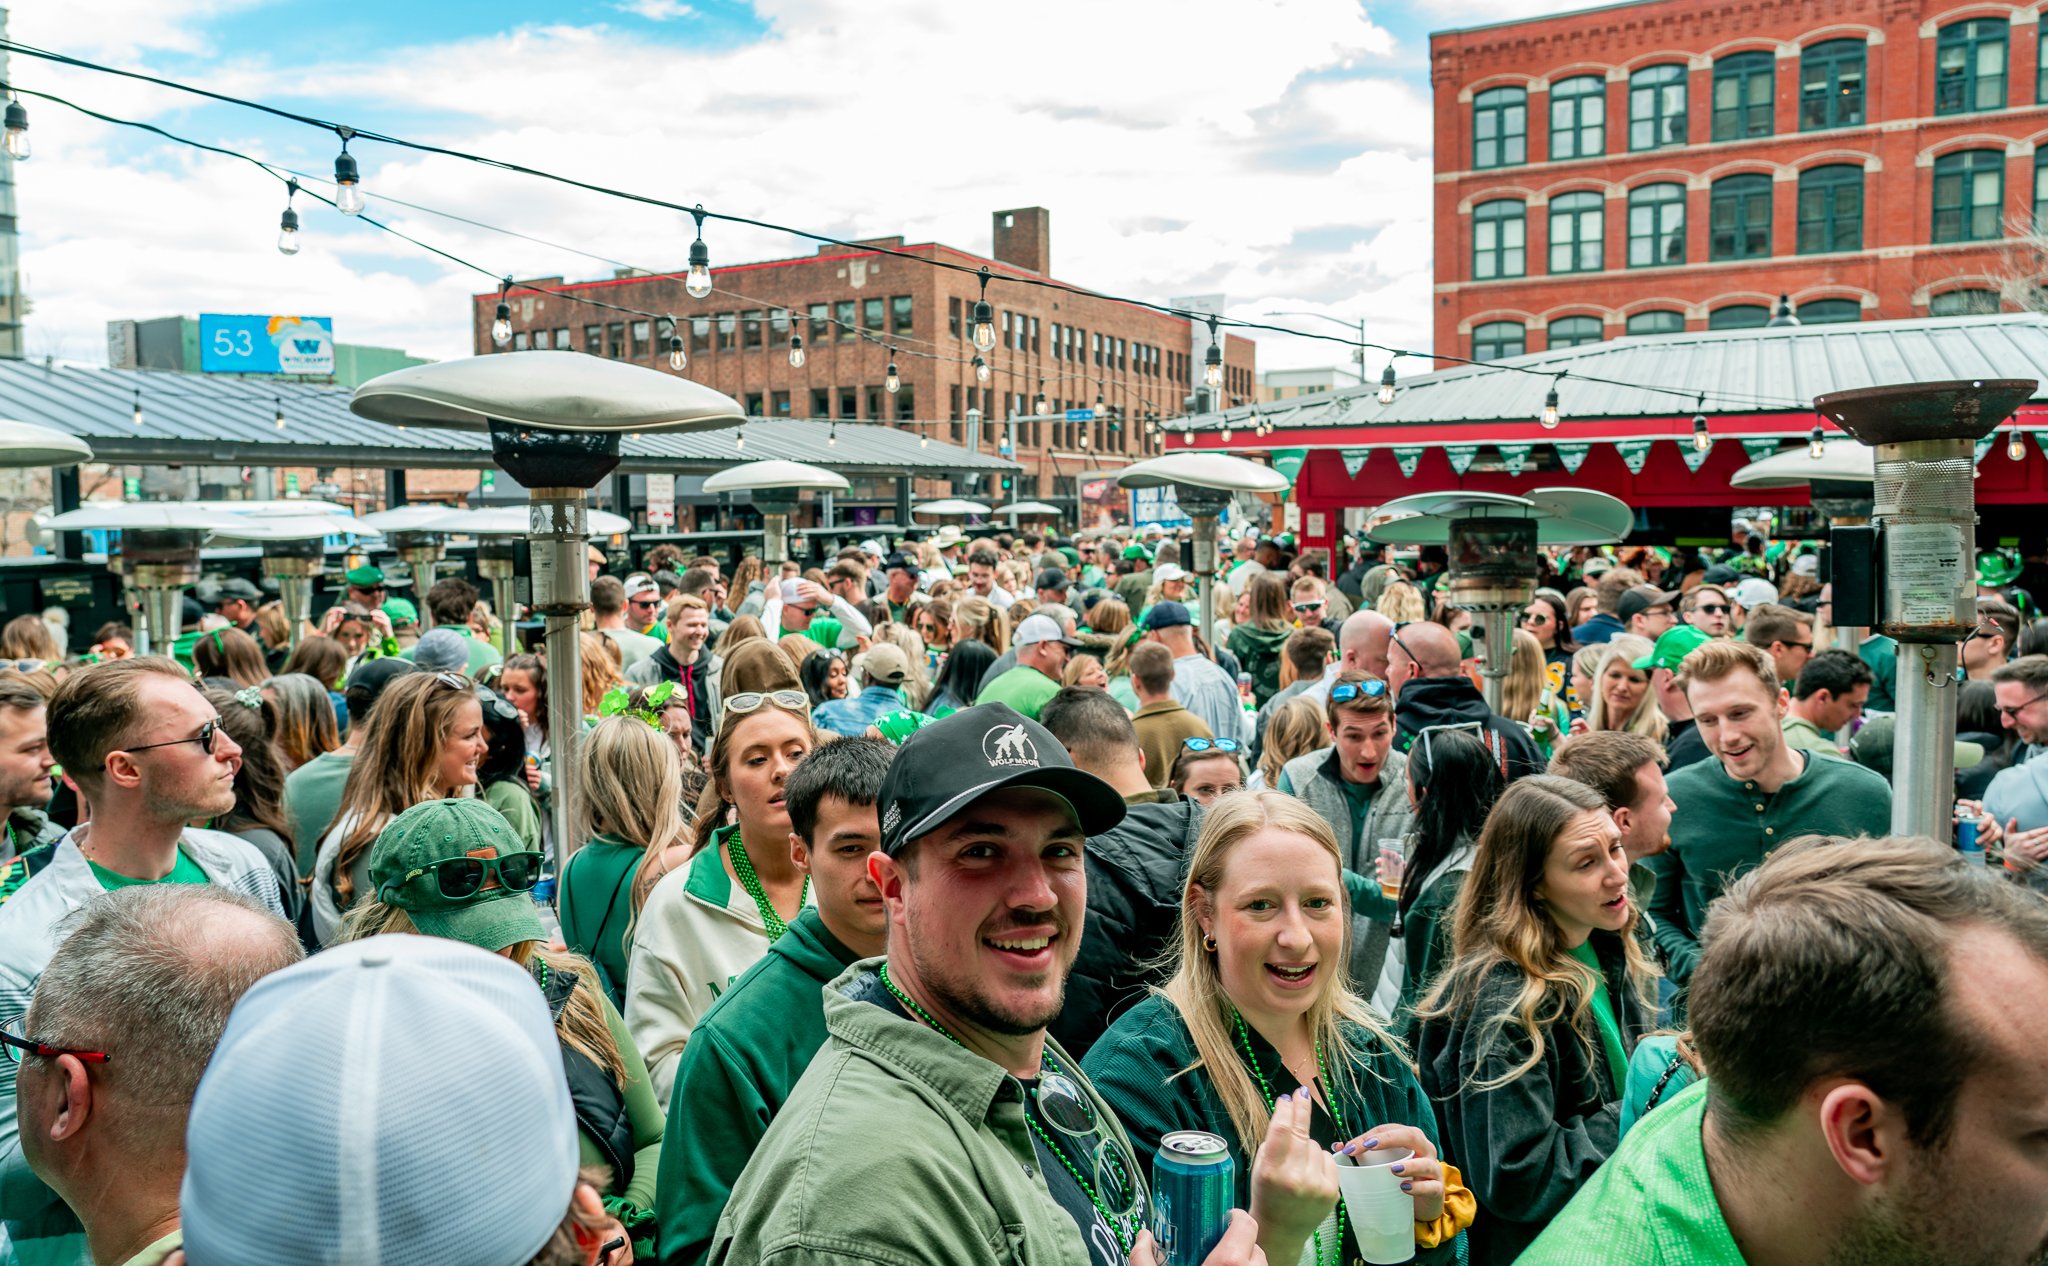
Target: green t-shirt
column 183, row 871
column 825, row 631
column 1603, row 1015
column 312, row 796
column 1023, row 688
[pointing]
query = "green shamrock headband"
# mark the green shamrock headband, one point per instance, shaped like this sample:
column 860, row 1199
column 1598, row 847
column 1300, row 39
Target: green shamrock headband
column 618, row 701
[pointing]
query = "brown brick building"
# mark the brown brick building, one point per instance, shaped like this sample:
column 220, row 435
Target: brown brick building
column 1664, row 165
column 1075, row 349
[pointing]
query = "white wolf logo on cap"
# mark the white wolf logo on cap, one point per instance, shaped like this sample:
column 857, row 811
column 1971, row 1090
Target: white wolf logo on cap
column 1009, row 745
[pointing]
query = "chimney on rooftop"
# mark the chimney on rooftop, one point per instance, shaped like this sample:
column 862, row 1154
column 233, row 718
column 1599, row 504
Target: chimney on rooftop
column 1024, row 237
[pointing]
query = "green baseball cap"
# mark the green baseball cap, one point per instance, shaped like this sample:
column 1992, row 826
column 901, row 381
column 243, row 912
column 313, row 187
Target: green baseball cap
column 406, row 870
column 401, row 611
column 1996, row 569
column 1134, row 552
column 1673, row 645
column 364, row 577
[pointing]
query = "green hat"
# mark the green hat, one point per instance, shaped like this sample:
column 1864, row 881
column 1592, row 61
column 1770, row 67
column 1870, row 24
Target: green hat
column 897, row 726
column 365, row 577
column 1072, row 555
column 1133, row 552
column 403, row 871
column 1673, row 645
column 1464, row 645
column 1091, row 575
column 1995, row 569
column 401, row 611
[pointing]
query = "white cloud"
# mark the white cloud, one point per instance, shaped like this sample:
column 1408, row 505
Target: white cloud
column 1183, row 146
column 655, row 10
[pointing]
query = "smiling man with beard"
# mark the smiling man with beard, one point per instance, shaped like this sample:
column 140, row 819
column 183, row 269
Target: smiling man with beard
column 1759, row 793
column 938, row 1124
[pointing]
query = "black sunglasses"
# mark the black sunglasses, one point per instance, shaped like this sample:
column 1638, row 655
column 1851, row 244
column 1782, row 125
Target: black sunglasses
column 204, row 738
column 460, row 878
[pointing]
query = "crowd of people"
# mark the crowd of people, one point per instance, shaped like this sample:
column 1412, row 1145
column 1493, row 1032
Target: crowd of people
column 912, row 901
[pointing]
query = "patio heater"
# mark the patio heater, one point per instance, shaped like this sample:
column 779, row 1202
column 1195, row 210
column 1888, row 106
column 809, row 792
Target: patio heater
column 419, row 547
column 1839, row 481
column 1492, row 539
column 1203, row 483
column 497, row 531
column 554, row 423
column 1924, row 500
column 294, row 554
column 774, row 486
column 157, row 559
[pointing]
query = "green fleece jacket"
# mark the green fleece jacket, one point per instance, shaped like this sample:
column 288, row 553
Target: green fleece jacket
column 899, row 1148
column 745, row 1057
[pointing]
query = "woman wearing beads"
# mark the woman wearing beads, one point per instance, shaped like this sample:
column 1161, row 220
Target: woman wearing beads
column 709, row 920
column 1258, row 1009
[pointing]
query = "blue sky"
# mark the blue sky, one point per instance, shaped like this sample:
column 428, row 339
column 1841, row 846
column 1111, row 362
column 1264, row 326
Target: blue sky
column 1292, row 174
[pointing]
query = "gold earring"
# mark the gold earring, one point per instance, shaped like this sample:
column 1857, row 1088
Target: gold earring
column 1209, row 943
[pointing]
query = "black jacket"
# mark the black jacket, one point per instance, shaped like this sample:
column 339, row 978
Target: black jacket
column 1427, row 701
column 1526, row 1147
column 1135, row 873
column 1683, row 745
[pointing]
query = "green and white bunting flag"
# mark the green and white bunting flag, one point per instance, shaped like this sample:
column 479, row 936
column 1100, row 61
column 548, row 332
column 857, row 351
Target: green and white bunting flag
column 1572, row 456
column 1759, row 449
column 1409, row 456
column 1354, row 460
column 1983, row 447
column 2041, row 438
column 1460, row 456
column 1694, row 457
column 1516, row 456
column 1633, row 454
column 1288, row 462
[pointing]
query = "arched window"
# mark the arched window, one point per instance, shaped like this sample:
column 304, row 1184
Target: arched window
column 1496, row 339
column 1829, row 311
column 1969, row 66
column 1963, row 303
column 1656, row 107
column 1739, row 316
column 1657, row 321
column 1578, row 117
column 1830, row 209
column 2041, row 190
column 1572, row 331
column 1739, row 226
column 1499, row 240
column 1576, row 238
column 1500, row 128
column 1969, row 195
column 1744, row 96
column 1831, row 84
column 1656, row 225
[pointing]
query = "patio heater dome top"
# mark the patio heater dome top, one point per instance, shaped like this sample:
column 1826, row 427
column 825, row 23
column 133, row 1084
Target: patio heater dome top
column 546, row 390
column 1563, row 516
column 1842, row 460
column 412, row 518
column 952, row 507
column 277, row 527
column 116, row 516
column 1027, row 507
column 1203, row 470
column 287, row 507
column 775, row 473
column 510, row 521
column 26, row 444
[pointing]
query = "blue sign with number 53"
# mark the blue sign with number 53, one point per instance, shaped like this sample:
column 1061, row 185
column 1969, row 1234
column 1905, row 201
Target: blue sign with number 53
column 266, row 344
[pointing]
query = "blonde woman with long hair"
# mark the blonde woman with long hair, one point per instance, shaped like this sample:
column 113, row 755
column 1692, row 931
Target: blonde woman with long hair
column 973, row 617
column 1402, row 603
column 600, row 670
column 917, row 687
column 1296, row 729
column 1525, row 1039
column 1258, row 1010
column 1526, row 696
column 1622, row 699
column 634, row 830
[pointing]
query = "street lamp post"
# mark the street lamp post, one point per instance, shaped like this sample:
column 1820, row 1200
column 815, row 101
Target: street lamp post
column 1359, row 326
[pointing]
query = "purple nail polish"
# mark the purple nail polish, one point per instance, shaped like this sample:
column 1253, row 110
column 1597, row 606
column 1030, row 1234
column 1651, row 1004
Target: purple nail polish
column 1372, row 1143
column 1407, row 1186
column 1396, row 1167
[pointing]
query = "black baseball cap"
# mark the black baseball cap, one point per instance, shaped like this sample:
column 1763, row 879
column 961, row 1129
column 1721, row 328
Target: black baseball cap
column 901, row 562
column 951, row 763
column 1052, row 578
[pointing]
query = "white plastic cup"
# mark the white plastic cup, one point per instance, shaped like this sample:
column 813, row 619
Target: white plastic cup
column 1382, row 1215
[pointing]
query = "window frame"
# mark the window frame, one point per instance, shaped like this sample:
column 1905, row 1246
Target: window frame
column 1490, row 334
column 1959, row 164
column 1500, row 105
column 1737, row 122
column 1575, row 100
column 1738, row 192
column 1827, row 181
column 1550, row 337
column 1831, row 57
column 1500, row 249
column 1854, row 307
column 1584, row 202
column 1746, row 322
column 1659, row 119
column 2040, row 194
column 1639, row 197
column 1678, row 327
column 1971, row 83
column 902, row 314
column 1978, row 309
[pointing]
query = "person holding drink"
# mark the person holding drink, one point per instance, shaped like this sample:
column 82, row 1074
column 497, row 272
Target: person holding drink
column 1258, row 1025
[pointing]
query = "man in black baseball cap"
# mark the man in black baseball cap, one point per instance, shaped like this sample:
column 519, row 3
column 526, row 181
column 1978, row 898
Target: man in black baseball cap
column 1051, row 584
column 902, row 593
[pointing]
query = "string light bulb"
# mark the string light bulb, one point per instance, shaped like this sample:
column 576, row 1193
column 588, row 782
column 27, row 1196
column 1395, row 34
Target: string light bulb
column 981, row 370
column 138, row 406
column 17, row 131
column 1212, row 366
column 278, row 420
column 924, row 441
column 697, row 282
column 832, row 437
column 288, row 223
column 1038, row 402
column 984, row 318
column 2016, row 444
column 1226, row 431
column 1817, row 444
column 501, row 324
column 1701, row 440
column 1551, row 416
column 1101, row 409
column 796, row 351
column 1387, row 384
column 676, row 357
column 348, row 179
column 1190, row 434
column 739, row 439
column 892, row 382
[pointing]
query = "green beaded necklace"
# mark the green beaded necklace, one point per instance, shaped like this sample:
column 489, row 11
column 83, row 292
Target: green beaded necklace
column 1244, row 1042
column 743, row 869
column 1123, row 1227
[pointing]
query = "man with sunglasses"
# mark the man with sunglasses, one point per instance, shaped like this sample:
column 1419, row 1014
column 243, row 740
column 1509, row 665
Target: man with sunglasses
column 148, row 756
column 608, row 610
column 643, row 604
column 938, row 1124
column 1308, row 603
column 2018, row 796
column 1706, row 608
column 1785, row 634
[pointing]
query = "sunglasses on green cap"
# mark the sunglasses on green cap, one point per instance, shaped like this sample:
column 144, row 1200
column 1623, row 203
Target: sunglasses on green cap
column 465, row 878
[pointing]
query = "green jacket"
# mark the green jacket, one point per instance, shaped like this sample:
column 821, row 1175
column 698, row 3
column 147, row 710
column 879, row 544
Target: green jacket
column 596, row 907
column 1139, row 1066
column 742, row 1062
column 1723, row 828
column 898, row 1148
column 1258, row 653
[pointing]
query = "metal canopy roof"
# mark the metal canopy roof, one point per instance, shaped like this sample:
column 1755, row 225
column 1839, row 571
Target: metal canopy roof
column 1756, row 371
column 216, row 419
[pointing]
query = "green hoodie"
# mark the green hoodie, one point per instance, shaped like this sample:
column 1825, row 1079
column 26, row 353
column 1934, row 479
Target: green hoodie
column 1258, row 653
column 738, row 1070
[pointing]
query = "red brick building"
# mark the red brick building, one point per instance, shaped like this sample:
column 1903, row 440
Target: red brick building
column 1665, row 165
column 1075, row 350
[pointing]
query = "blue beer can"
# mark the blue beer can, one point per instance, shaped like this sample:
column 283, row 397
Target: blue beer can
column 1194, row 1182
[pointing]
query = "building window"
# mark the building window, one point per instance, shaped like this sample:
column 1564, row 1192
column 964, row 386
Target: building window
column 871, row 315
column 1574, row 331
column 1496, row 339
column 906, row 403
column 1739, row 316
column 1829, row 311
column 562, row 341
column 1059, row 347
column 1578, row 117
column 848, row 402
column 700, row 334
column 643, row 338
column 899, row 314
column 754, row 403
column 2041, row 69
column 821, row 323
column 751, row 332
column 1969, row 194
column 519, row 343
column 1656, row 225
column 728, row 327
column 876, row 410
column 953, row 317
column 779, row 401
column 1499, row 234
column 1963, row 303
column 842, row 312
column 1500, row 128
column 1575, row 233
column 1744, row 96
column 1739, row 223
column 1830, row 209
column 1656, row 107
column 1969, row 66
column 821, row 402
column 1034, row 334
column 593, row 340
column 2041, row 190
column 1831, row 85
column 1659, row 321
